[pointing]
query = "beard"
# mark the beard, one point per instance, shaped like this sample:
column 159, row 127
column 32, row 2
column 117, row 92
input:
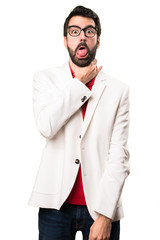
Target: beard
column 84, row 61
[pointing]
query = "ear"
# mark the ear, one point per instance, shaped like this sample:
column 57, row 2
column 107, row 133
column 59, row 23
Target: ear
column 65, row 42
column 98, row 42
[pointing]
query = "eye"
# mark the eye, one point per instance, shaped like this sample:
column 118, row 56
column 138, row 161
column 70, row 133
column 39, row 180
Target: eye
column 90, row 31
column 74, row 31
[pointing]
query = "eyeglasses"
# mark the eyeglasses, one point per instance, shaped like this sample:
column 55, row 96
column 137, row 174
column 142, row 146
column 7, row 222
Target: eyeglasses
column 75, row 31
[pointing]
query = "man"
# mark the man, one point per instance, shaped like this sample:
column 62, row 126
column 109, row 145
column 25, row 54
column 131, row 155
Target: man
column 83, row 114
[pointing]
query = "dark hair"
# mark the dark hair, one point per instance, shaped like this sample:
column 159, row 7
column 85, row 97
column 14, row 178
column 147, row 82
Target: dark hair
column 84, row 12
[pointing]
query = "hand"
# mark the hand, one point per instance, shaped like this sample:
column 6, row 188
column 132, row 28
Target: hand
column 86, row 74
column 100, row 229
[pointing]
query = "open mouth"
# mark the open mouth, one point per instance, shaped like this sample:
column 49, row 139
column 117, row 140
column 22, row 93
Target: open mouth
column 82, row 48
column 82, row 52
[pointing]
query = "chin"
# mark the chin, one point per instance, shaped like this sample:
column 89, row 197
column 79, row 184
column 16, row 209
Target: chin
column 82, row 62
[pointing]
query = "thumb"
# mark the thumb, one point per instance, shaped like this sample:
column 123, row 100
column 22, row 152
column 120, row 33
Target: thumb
column 99, row 69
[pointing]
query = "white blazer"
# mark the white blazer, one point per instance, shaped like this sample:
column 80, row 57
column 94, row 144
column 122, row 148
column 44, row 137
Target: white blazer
column 99, row 142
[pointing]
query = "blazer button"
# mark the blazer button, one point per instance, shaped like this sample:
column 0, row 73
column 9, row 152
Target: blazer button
column 77, row 161
column 83, row 98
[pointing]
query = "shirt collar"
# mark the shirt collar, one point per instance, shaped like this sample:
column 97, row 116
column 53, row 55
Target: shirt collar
column 73, row 75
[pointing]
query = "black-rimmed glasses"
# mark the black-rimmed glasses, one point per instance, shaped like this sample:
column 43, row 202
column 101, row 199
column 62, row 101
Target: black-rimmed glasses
column 75, row 31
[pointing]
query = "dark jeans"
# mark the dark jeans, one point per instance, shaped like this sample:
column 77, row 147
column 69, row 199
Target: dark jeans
column 64, row 223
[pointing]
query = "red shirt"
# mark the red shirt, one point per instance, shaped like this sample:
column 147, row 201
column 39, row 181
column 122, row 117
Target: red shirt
column 77, row 196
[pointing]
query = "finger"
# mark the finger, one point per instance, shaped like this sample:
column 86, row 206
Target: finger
column 90, row 238
column 99, row 69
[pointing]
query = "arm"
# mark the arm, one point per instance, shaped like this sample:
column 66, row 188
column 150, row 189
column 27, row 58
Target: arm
column 117, row 169
column 52, row 106
column 117, row 166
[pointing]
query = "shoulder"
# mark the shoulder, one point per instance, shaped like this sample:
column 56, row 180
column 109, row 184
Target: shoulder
column 50, row 72
column 115, row 84
column 115, row 88
column 53, row 76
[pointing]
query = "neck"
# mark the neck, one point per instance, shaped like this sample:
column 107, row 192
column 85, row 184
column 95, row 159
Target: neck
column 72, row 65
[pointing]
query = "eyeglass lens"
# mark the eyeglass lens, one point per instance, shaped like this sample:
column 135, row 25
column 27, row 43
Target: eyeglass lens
column 75, row 31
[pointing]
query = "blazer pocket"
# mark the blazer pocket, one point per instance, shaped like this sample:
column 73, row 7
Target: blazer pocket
column 49, row 174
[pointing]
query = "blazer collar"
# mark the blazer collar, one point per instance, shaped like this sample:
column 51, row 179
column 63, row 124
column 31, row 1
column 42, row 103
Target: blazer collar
column 97, row 90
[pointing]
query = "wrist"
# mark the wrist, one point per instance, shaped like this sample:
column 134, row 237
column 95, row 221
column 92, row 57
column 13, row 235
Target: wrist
column 109, row 220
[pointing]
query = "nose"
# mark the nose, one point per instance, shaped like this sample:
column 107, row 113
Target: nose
column 82, row 36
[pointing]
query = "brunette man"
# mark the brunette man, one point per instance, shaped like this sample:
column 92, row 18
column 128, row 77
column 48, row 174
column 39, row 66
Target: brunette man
column 84, row 114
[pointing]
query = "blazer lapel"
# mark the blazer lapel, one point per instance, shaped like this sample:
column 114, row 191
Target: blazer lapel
column 97, row 91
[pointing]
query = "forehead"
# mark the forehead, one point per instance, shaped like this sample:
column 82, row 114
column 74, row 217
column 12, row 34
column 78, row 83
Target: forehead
column 81, row 21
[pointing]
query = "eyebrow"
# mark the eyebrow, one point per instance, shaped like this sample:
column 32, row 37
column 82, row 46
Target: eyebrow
column 82, row 28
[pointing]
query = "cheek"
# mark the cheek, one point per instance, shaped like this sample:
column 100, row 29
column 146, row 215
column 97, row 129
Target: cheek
column 72, row 45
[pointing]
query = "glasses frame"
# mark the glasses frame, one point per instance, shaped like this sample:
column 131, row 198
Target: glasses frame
column 82, row 29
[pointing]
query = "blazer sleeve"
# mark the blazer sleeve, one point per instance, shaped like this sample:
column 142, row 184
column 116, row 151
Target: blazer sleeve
column 117, row 164
column 54, row 105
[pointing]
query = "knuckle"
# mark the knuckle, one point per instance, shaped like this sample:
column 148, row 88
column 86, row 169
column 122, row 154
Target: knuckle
column 99, row 238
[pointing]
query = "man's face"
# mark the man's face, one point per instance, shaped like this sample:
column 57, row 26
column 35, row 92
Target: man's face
column 82, row 49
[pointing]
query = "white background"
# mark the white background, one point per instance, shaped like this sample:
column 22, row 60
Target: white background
column 31, row 40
